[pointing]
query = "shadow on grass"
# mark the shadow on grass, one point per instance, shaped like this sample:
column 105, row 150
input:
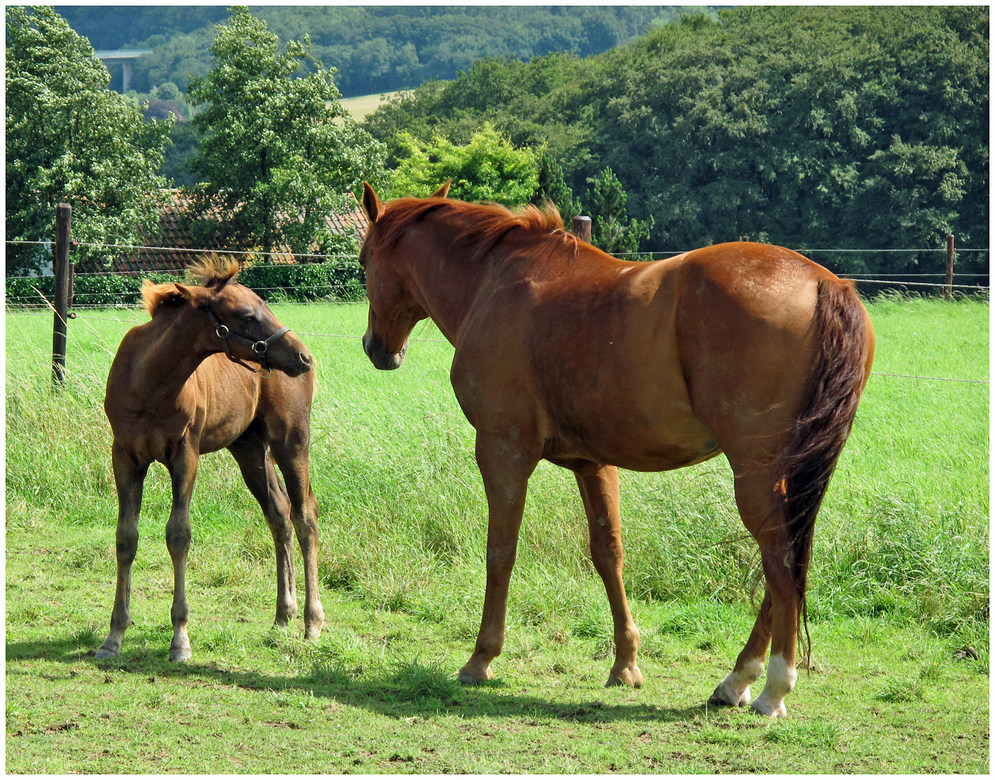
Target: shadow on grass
column 406, row 690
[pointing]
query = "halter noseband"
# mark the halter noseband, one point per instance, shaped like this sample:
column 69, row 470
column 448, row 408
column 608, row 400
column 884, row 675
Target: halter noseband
column 258, row 347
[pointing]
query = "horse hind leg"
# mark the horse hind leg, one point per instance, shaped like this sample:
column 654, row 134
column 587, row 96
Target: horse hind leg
column 599, row 489
column 762, row 508
column 129, row 479
column 252, row 455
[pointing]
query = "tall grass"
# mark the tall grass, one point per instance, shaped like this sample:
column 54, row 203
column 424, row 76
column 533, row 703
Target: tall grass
column 903, row 532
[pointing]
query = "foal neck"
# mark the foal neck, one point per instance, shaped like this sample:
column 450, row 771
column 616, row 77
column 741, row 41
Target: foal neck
column 162, row 355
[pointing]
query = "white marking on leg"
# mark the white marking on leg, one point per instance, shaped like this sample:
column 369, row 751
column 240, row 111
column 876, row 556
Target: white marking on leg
column 735, row 688
column 781, row 678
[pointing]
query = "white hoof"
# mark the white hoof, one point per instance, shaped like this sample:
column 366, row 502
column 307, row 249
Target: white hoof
column 765, row 705
column 730, row 694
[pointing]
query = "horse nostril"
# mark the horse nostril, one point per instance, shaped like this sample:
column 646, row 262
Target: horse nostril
column 305, row 358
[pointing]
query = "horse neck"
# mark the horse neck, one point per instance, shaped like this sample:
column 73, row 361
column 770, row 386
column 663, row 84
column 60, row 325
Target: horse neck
column 164, row 353
column 443, row 279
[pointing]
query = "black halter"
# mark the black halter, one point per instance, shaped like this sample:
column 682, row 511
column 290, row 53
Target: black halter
column 258, row 347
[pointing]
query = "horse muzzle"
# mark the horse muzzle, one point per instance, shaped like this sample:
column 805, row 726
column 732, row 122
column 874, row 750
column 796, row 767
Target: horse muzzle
column 378, row 354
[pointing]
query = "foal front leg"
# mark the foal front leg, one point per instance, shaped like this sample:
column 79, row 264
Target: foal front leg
column 599, row 489
column 182, row 470
column 129, row 478
column 505, row 471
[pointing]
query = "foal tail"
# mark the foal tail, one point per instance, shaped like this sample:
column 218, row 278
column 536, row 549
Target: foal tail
column 836, row 379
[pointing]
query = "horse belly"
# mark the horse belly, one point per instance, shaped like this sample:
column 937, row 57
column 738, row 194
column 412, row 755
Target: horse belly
column 655, row 436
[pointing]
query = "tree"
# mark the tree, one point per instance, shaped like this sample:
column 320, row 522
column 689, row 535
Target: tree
column 488, row 168
column 553, row 188
column 611, row 229
column 70, row 139
column 278, row 152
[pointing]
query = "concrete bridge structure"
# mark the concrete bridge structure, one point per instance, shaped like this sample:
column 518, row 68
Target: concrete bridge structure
column 123, row 57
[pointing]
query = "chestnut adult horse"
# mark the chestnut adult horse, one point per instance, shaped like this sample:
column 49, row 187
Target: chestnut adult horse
column 187, row 383
column 565, row 353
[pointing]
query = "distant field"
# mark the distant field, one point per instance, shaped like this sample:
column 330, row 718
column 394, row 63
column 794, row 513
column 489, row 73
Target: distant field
column 899, row 587
column 363, row 105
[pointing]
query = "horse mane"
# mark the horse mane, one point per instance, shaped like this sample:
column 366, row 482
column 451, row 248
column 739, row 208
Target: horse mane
column 475, row 225
column 211, row 271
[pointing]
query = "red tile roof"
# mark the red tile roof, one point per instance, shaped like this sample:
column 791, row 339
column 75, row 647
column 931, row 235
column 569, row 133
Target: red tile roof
column 174, row 249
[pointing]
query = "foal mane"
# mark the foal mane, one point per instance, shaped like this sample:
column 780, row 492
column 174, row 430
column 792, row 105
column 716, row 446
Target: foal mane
column 210, row 271
column 475, row 225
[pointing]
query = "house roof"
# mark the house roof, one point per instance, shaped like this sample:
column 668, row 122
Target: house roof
column 174, row 248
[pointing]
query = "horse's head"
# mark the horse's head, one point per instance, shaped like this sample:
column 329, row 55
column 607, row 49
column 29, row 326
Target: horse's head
column 236, row 320
column 394, row 312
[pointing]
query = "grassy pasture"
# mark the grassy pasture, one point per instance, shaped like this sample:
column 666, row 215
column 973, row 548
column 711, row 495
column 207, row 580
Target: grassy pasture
column 364, row 105
column 899, row 587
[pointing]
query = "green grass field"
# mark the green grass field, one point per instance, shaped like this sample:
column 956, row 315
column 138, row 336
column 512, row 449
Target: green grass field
column 364, row 105
column 899, row 586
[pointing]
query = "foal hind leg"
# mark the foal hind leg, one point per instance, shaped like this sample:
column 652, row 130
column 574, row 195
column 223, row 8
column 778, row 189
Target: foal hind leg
column 182, row 470
column 291, row 454
column 599, row 489
column 252, row 455
column 129, row 478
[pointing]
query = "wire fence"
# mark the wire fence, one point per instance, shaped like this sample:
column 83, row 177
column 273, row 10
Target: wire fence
column 96, row 309
column 342, row 275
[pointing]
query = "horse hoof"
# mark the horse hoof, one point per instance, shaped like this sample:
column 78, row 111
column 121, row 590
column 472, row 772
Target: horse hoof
column 727, row 695
column 631, row 678
column 179, row 655
column 104, row 653
column 767, row 708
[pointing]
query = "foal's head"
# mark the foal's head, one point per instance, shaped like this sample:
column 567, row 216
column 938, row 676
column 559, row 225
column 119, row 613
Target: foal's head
column 235, row 320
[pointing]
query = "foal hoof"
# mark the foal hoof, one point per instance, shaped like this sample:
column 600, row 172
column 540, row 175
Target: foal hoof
column 179, row 655
column 104, row 653
column 467, row 677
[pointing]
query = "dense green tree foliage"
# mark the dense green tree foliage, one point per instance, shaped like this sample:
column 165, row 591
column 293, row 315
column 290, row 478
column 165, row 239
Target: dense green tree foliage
column 809, row 127
column 70, row 139
column 488, row 168
column 277, row 152
column 374, row 48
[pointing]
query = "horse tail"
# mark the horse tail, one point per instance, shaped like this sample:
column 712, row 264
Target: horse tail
column 844, row 348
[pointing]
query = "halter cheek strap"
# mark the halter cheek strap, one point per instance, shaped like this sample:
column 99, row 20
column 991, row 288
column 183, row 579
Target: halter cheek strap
column 258, row 347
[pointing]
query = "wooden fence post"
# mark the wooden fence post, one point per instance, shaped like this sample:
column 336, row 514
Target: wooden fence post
column 582, row 228
column 63, row 230
column 949, row 289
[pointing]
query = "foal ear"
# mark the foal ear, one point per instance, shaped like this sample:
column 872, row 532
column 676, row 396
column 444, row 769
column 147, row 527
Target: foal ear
column 443, row 191
column 371, row 204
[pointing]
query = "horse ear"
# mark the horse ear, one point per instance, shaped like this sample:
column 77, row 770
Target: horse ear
column 184, row 292
column 371, row 204
column 443, row 191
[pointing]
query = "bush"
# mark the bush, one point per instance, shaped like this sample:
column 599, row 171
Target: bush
column 340, row 281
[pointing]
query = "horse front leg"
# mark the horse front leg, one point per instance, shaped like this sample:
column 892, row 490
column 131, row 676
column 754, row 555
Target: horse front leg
column 599, row 489
column 505, row 471
column 182, row 470
column 129, row 479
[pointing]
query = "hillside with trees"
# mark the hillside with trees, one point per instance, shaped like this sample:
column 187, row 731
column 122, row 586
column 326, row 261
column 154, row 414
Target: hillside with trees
column 809, row 127
column 373, row 48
